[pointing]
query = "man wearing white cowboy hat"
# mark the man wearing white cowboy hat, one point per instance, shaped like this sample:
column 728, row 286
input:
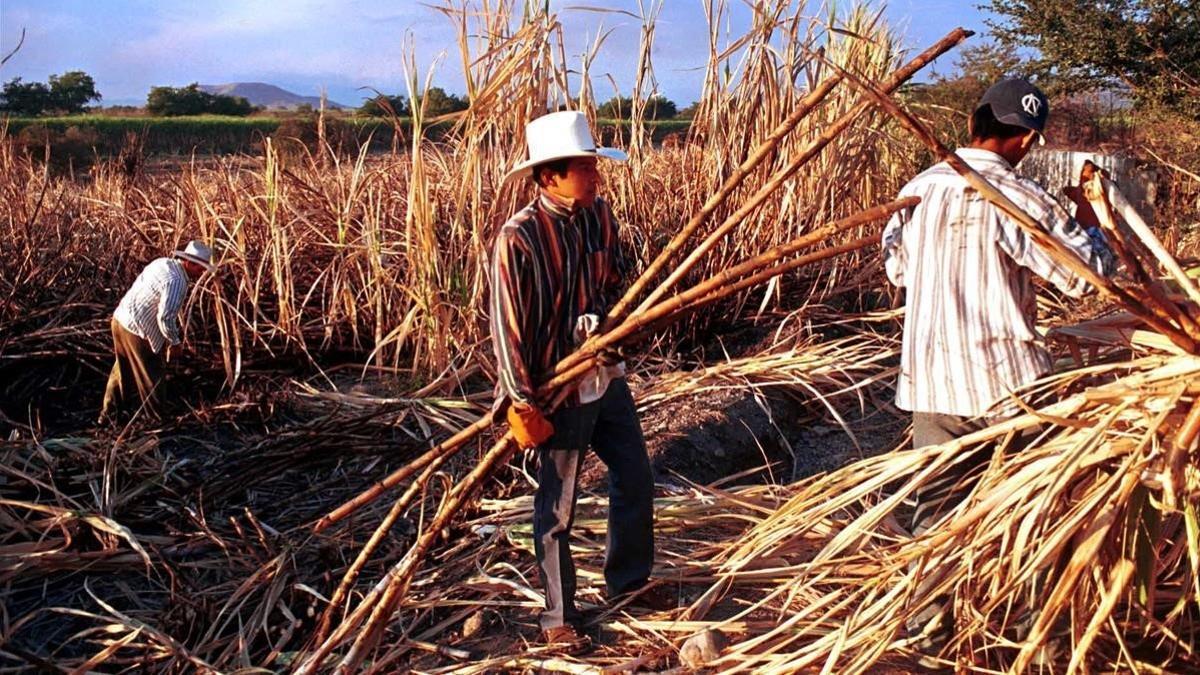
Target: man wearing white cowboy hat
column 556, row 268
column 147, row 320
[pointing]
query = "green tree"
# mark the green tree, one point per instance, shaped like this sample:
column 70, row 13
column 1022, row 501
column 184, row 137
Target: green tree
column 1147, row 47
column 72, row 91
column 658, row 107
column 977, row 68
column 379, row 105
column 67, row 93
column 191, row 100
column 25, row 98
column 438, row 102
column 229, row 105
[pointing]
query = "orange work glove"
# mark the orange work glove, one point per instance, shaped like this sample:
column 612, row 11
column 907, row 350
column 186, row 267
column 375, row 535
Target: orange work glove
column 528, row 425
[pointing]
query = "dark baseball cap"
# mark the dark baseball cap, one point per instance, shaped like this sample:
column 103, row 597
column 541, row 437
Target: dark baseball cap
column 1017, row 102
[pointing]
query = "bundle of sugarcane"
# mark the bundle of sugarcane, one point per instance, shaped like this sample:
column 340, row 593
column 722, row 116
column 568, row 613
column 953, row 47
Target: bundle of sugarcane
column 1082, row 549
column 821, row 368
column 1079, row 551
column 367, row 621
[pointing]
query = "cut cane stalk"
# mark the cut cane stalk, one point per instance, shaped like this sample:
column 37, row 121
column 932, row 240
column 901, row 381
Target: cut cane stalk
column 1135, row 254
column 812, row 150
column 398, row 508
column 1107, row 193
column 396, row 581
column 761, row 153
column 398, row 476
column 668, row 307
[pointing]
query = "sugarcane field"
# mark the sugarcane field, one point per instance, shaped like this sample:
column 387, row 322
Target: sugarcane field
column 881, row 356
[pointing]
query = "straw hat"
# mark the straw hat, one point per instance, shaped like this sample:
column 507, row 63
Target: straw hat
column 558, row 136
column 198, row 252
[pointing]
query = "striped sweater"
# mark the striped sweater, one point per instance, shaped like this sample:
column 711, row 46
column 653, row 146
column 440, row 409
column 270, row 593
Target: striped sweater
column 151, row 306
column 969, row 325
column 552, row 262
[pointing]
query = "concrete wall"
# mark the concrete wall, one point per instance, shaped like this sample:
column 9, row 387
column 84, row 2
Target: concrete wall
column 1054, row 169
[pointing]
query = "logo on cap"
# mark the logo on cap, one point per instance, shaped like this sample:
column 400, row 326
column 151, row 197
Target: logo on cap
column 1032, row 104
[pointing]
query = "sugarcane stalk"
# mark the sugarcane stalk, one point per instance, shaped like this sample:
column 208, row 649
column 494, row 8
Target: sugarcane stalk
column 398, row 476
column 398, row 586
column 727, row 282
column 761, row 153
column 1094, row 189
column 668, row 307
column 377, row 537
column 1155, row 317
column 1116, row 200
column 814, row 148
column 395, row 583
column 750, row 282
column 783, row 268
column 382, row 602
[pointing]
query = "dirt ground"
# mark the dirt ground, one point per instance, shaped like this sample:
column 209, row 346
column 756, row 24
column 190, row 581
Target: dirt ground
column 262, row 450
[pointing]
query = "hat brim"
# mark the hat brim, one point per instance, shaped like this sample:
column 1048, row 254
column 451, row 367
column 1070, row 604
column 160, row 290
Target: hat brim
column 199, row 261
column 525, row 168
column 1016, row 120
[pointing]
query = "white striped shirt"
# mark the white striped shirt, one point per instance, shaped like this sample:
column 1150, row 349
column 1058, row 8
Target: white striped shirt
column 969, row 325
column 151, row 306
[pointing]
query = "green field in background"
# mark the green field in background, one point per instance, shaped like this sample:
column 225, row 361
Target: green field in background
column 215, row 134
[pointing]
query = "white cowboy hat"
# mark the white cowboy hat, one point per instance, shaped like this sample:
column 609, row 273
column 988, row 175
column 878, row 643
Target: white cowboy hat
column 198, row 252
column 560, row 135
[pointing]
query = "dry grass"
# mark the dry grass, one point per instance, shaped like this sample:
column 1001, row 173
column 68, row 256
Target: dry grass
column 186, row 544
column 189, row 545
column 1081, row 541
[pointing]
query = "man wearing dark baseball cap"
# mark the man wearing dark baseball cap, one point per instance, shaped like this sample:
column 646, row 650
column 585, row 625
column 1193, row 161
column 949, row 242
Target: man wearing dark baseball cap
column 1016, row 102
column 970, row 338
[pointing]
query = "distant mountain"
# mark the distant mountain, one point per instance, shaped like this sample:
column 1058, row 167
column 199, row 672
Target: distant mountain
column 267, row 95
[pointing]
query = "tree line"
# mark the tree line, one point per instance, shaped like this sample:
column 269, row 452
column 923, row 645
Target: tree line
column 72, row 92
column 437, row 102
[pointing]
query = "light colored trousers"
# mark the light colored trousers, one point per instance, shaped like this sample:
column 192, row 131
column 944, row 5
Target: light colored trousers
column 135, row 367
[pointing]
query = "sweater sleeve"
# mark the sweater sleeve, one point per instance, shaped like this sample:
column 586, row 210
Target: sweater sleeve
column 509, row 305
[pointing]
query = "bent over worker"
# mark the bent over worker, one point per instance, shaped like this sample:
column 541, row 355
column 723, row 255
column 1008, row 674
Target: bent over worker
column 556, row 268
column 146, row 321
column 967, row 267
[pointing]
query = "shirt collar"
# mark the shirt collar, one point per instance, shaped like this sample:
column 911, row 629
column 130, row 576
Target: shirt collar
column 563, row 207
column 981, row 155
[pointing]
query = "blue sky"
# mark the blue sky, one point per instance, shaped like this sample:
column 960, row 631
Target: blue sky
column 301, row 45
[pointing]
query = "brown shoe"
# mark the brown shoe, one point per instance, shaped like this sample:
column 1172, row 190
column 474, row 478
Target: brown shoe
column 567, row 640
column 657, row 598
